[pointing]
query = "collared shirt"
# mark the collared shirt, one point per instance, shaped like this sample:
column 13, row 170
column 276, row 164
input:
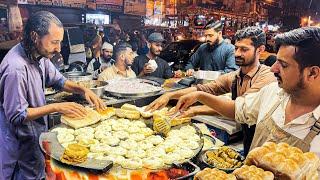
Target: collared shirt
column 220, row 59
column 22, row 86
column 114, row 73
column 253, row 81
column 103, row 63
column 253, row 108
column 163, row 70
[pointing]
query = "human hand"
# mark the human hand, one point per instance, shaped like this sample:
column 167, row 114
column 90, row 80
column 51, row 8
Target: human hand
column 70, row 109
column 94, row 100
column 178, row 74
column 147, row 69
column 190, row 72
column 159, row 103
column 186, row 101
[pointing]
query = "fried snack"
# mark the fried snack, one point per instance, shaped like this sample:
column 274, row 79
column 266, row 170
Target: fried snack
column 284, row 161
column 224, row 157
column 252, row 172
column 178, row 121
column 129, row 114
column 74, row 154
column 92, row 117
column 107, row 113
column 210, row 174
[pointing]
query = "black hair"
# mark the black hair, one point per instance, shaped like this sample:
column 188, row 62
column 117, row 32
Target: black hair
column 256, row 34
column 215, row 25
column 121, row 48
column 307, row 45
column 40, row 23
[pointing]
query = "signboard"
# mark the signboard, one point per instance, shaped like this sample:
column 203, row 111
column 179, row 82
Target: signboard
column 111, row 5
column 135, row 7
column 149, row 7
column 157, row 7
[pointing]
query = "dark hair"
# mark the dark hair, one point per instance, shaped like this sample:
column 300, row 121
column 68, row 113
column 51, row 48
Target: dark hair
column 256, row 34
column 39, row 22
column 307, row 43
column 215, row 25
column 134, row 45
column 121, row 48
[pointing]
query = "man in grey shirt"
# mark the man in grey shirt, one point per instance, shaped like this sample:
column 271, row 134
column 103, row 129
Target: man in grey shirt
column 215, row 55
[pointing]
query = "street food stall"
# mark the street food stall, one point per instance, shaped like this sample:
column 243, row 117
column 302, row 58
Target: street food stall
column 126, row 142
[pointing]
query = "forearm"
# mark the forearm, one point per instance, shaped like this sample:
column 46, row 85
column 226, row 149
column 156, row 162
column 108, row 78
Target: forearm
column 205, row 110
column 72, row 87
column 220, row 105
column 35, row 113
column 179, row 93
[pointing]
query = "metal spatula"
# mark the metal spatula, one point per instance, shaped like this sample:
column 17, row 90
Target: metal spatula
column 161, row 123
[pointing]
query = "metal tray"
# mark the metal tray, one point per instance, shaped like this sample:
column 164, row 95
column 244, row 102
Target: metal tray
column 203, row 159
column 49, row 144
column 129, row 94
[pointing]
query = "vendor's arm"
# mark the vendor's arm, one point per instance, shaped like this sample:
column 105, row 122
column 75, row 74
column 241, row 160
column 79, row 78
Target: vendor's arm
column 198, row 110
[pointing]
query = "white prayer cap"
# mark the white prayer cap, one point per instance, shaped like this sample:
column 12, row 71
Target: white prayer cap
column 106, row 45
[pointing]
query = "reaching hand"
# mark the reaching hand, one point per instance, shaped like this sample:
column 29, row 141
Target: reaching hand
column 159, row 103
column 70, row 109
column 186, row 101
column 147, row 69
column 190, row 72
column 94, row 100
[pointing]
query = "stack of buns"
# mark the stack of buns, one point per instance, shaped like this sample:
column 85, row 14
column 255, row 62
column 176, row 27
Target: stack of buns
column 252, row 173
column 286, row 162
column 210, row 174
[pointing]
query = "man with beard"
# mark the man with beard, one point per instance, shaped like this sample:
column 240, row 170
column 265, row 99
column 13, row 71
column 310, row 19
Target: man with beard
column 215, row 55
column 122, row 67
column 150, row 64
column 25, row 73
column 98, row 64
column 287, row 111
column 251, row 77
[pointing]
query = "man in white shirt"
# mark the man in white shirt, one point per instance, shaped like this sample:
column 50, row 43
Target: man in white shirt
column 97, row 65
column 288, row 112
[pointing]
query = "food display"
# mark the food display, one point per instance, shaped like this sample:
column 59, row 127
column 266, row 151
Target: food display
column 132, row 87
column 223, row 158
column 252, row 172
column 285, row 161
column 216, row 174
column 92, row 117
column 74, row 153
column 49, row 91
column 130, row 144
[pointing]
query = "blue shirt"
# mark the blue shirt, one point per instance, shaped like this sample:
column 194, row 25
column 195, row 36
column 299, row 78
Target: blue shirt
column 220, row 59
column 22, row 83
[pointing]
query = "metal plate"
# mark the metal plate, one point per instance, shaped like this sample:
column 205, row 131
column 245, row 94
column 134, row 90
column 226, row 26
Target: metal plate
column 131, row 94
column 50, row 145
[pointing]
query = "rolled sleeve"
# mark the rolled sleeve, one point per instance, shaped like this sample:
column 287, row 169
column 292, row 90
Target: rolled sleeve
column 219, row 86
column 247, row 108
column 15, row 103
column 53, row 77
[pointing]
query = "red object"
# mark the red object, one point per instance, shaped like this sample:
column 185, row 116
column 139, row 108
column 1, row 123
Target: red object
column 160, row 175
column 174, row 173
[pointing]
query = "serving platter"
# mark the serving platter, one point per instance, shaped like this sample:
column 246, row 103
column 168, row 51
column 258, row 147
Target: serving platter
column 50, row 145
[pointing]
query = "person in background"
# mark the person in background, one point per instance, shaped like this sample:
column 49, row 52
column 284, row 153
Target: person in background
column 249, row 78
column 26, row 71
column 98, row 64
column 287, row 111
column 122, row 68
column 151, row 64
column 134, row 46
column 215, row 55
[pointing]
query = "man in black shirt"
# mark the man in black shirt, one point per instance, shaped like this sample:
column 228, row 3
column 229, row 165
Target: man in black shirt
column 150, row 64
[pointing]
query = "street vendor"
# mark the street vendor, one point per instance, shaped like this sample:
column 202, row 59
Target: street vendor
column 285, row 112
column 251, row 77
column 25, row 73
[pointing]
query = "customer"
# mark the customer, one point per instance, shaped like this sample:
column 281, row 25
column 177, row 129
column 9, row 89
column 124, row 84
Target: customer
column 151, row 64
column 215, row 55
column 122, row 67
column 98, row 64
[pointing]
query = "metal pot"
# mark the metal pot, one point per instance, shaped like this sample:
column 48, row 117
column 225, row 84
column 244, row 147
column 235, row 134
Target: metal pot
column 78, row 76
column 96, row 86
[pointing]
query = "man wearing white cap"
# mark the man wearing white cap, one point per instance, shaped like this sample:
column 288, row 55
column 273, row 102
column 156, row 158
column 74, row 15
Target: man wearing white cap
column 97, row 65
